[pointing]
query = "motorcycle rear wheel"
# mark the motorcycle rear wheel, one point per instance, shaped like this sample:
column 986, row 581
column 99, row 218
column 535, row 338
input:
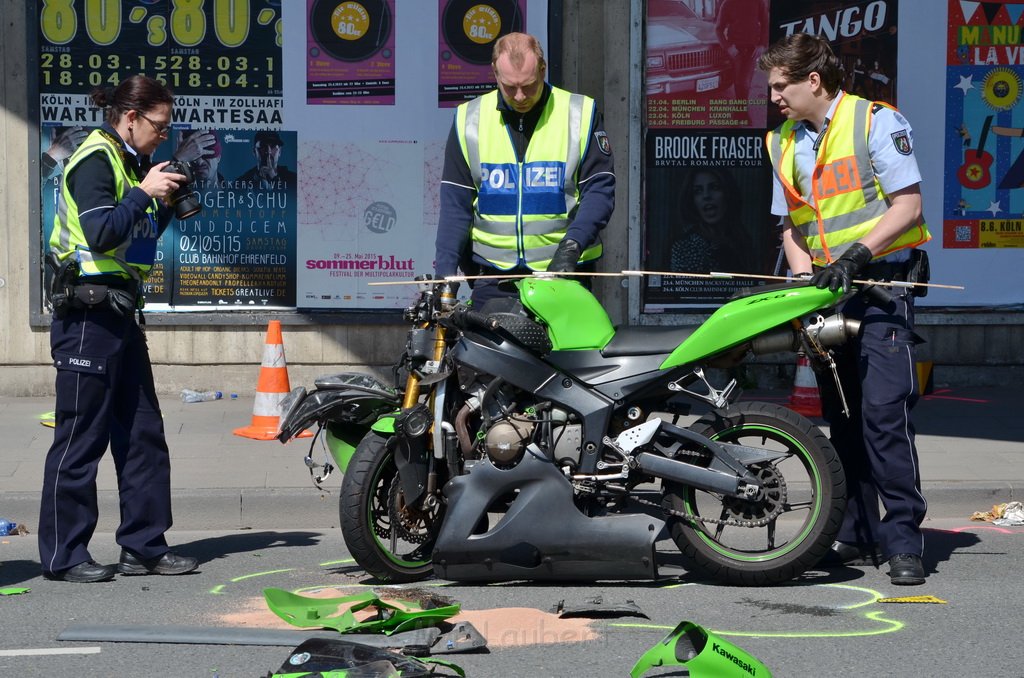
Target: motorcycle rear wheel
column 802, row 509
column 391, row 541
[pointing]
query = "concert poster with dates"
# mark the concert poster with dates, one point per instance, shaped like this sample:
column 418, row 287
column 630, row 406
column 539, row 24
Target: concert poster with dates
column 983, row 203
column 467, row 31
column 351, row 52
column 222, row 60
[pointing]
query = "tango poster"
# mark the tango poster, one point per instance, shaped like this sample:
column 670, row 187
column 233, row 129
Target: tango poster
column 983, row 205
column 862, row 34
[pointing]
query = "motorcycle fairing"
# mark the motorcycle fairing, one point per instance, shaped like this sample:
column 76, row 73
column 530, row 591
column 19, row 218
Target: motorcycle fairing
column 542, row 535
column 748, row 316
column 704, row 655
column 390, row 617
column 342, row 440
column 615, row 378
column 351, row 397
column 574, row 317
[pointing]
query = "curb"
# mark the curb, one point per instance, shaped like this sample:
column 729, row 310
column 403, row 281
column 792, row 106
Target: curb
column 309, row 508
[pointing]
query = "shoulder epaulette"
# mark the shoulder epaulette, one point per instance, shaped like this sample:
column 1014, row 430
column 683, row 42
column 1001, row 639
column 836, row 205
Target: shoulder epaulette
column 876, row 106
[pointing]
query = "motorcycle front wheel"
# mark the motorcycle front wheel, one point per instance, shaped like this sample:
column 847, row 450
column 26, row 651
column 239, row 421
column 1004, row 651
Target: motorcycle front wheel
column 783, row 532
column 389, row 539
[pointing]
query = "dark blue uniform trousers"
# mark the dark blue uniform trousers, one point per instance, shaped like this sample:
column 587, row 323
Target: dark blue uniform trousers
column 876, row 442
column 105, row 395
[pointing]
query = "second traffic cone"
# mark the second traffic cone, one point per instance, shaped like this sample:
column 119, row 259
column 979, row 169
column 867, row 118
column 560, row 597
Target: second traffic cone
column 805, row 398
column 271, row 389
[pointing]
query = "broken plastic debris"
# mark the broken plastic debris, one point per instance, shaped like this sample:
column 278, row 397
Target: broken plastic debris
column 1005, row 515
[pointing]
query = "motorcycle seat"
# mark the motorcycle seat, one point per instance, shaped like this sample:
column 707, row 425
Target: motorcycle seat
column 646, row 340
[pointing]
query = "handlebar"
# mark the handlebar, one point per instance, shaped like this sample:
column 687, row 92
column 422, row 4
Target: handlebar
column 463, row 318
column 877, row 295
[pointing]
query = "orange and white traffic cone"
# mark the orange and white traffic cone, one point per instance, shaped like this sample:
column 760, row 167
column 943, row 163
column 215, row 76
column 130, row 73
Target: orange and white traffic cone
column 805, row 399
column 271, row 389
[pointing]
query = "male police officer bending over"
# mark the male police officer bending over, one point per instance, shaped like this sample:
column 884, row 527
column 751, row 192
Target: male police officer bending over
column 495, row 220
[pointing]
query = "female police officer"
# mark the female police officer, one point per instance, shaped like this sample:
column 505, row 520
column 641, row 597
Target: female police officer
column 109, row 217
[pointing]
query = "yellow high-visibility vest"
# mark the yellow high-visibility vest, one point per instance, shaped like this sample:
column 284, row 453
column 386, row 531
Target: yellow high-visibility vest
column 67, row 238
column 522, row 210
column 847, row 198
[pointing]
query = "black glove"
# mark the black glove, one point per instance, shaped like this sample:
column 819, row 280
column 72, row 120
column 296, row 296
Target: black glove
column 840, row 272
column 566, row 257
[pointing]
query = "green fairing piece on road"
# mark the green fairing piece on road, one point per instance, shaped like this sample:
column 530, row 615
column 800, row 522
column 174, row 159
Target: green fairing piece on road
column 339, row 613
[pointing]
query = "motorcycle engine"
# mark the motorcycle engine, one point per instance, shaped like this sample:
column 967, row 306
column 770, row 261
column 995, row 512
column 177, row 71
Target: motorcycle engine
column 510, row 420
column 506, row 440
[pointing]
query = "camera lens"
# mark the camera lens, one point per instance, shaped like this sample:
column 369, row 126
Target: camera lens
column 183, row 199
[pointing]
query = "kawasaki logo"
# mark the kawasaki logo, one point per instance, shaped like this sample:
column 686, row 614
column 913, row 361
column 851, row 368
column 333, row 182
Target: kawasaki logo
column 722, row 652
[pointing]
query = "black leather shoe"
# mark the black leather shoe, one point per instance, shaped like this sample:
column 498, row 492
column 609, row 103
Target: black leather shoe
column 905, row 569
column 843, row 554
column 85, row 573
column 169, row 563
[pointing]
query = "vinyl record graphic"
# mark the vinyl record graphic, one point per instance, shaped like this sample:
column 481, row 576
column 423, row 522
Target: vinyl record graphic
column 471, row 26
column 350, row 30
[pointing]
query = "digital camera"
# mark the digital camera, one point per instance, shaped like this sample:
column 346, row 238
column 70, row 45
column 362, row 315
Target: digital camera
column 183, row 199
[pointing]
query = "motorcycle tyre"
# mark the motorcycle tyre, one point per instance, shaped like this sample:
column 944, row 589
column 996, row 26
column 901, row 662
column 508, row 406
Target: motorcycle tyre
column 692, row 541
column 370, row 461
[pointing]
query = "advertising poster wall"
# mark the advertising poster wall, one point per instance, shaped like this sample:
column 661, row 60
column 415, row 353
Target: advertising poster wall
column 711, row 216
column 983, row 205
column 700, row 63
column 316, row 139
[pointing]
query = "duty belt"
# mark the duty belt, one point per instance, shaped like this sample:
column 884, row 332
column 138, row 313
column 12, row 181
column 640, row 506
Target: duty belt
column 885, row 270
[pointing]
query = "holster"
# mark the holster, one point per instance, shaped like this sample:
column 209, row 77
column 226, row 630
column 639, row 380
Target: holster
column 918, row 271
column 62, row 280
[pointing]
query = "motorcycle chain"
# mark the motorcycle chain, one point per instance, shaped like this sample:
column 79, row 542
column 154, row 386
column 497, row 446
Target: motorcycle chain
column 728, row 522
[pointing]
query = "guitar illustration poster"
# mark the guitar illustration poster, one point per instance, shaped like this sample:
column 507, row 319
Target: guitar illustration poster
column 983, row 203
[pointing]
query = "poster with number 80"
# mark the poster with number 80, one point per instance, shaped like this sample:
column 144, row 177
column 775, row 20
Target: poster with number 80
column 197, row 47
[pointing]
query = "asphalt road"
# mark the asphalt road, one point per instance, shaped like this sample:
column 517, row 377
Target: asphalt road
column 824, row 624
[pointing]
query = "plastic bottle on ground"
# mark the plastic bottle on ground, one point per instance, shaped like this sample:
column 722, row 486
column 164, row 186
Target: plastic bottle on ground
column 7, row 527
column 190, row 396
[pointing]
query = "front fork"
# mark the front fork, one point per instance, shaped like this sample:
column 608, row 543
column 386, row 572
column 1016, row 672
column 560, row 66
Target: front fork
column 412, row 408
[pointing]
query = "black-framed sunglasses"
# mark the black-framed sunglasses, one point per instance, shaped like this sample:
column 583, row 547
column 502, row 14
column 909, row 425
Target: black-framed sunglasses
column 161, row 130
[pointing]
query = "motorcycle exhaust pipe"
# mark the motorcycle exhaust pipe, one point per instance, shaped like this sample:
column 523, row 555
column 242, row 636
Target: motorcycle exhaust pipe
column 834, row 330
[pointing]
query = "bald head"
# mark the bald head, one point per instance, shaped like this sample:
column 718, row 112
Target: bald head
column 518, row 64
column 517, row 46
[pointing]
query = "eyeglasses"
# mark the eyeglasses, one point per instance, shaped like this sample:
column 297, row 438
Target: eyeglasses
column 161, row 130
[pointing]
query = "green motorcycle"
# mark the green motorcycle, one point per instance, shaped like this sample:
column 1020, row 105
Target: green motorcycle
column 534, row 440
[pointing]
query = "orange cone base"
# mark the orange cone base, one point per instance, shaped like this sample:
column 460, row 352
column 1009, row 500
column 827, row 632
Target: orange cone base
column 805, row 398
column 808, row 405
column 257, row 432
